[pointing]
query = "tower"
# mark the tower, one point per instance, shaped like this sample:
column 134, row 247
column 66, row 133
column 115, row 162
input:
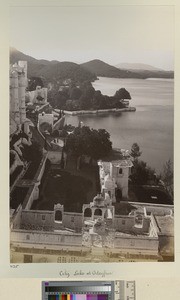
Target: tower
column 21, row 92
column 14, row 97
column 108, row 187
column 120, row 170
column 18, row 83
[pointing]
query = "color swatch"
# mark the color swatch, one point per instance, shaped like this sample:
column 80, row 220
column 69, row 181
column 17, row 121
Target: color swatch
column 78, row 297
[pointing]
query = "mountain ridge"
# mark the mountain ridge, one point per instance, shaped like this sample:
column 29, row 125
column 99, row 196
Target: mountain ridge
column 137, row 66
column 56, row 70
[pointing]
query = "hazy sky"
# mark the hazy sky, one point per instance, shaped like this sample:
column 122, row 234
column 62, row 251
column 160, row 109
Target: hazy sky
column 142, row 34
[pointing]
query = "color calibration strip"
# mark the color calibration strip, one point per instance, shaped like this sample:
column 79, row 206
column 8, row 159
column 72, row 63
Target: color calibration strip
column 78, row 297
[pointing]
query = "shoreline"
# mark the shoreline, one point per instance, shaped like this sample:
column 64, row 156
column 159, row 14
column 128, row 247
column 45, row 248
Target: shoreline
column 98, row 111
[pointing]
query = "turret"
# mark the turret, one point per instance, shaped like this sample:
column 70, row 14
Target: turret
column 14, row 97
column 21, row 91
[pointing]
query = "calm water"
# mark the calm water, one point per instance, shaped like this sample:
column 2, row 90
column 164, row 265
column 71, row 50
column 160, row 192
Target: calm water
column 151, row 126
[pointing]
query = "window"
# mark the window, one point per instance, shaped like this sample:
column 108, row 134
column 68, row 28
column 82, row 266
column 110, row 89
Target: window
column 98, row 212
column 72, row 219
column 120, row 171
column 87, row 212
column 139, row 221
column 123, row 222
column 73, row 259
column 43, row 217
column 59, row 259
column 27, row 237
column 58, row 216
column 63, row 259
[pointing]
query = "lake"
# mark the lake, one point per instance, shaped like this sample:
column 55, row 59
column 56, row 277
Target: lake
column 151, row 126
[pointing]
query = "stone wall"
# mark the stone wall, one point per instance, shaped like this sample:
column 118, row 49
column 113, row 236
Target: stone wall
column 37, row 218
column 42, row 218
column 45, row 238
column 155, row 209
column 72, row 220
column 126, row 224
column 139, row 244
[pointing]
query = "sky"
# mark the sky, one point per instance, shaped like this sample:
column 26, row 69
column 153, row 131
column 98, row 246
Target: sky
column 114, row 34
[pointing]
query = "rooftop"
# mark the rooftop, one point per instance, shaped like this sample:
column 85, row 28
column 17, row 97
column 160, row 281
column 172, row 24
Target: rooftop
column 119, row 157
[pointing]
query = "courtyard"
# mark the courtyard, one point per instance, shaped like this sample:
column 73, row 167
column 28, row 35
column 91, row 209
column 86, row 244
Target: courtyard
column 70, row 187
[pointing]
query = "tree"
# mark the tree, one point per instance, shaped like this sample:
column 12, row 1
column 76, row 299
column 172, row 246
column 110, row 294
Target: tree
column 122, row 94
column 75, row 93
column 34, row 82
column 135, row 151
column 91, row 142
column 141, row 173
column 168, row 177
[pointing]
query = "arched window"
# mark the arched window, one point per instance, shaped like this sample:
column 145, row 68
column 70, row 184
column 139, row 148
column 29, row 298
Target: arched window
column 139, row 221
column 87, row 212
column 120, row 171
column 98, row 212
column 58, row 216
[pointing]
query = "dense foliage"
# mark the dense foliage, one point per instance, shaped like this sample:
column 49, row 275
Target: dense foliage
column 135, row 151
column 167, row 177
column 91, row 142
column 142, row 174
column 100, row 68
column 85, row 97
column 33, row 82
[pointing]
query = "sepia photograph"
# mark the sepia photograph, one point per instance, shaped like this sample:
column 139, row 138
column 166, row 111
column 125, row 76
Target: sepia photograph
column 91, row 134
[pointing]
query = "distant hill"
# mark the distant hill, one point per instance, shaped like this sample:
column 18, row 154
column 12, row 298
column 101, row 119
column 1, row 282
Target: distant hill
column 146, row 71
column 52, row 70
column 101, row 68
column 156, row 74
column 57, row 71
column 137, row 66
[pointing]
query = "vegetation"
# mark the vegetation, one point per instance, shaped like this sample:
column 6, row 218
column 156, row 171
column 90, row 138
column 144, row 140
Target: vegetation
column 135, row 151
column 55, row 70
column 142, row 174
column 101, row 68
column 33, row 82
column 168, row 177
column 85, row 97
column 91, row 142
column 122, row 94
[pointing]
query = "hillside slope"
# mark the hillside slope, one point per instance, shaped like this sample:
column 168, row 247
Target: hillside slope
column 52, row 70
column 101, row 68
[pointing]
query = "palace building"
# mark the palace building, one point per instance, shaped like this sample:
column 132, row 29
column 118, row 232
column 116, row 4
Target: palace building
column 109, row 228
